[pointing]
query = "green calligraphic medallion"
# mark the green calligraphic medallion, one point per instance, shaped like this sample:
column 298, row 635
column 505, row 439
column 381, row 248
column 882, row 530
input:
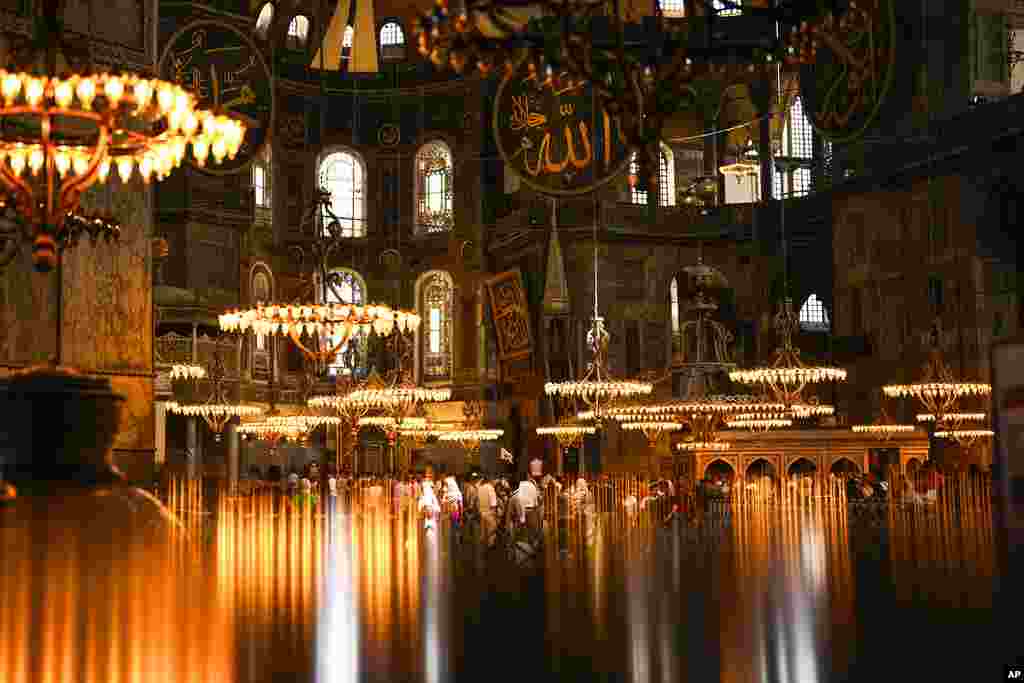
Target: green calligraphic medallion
column 226, row 71
column 843, row 90
column 554, row 135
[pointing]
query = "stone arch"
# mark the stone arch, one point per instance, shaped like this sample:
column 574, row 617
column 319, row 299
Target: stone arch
column 844, row 464
column 760, row 466
column 802, row 466
column 720, row 464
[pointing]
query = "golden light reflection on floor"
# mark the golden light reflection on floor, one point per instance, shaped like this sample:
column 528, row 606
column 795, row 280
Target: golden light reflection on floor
column 249, row 588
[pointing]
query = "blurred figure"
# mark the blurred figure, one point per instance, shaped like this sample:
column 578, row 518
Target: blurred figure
column 487, row 499
column 428, row 505
column 453, row 499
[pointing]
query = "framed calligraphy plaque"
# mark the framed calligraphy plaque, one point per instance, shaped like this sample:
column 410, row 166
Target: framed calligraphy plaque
column 554, row 136
column 226, row 71
column 511, row 315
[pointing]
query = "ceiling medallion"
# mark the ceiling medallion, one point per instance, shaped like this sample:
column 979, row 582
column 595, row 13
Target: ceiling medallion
column 389, row 135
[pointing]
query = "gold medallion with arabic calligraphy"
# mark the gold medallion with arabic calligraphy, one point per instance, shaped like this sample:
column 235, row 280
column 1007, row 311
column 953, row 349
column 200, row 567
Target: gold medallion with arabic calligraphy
column 552, row 133
column 226, row 71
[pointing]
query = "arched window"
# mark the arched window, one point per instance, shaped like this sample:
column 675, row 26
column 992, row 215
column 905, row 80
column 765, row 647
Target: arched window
column 434, row 188
column 797, row 145
column 724, row 10
column 260, row 185
column 298, row 31
column 347, row 287
column 666, row 179
column 391, row 34
column 673, row 8
column 813, row 316
column 264, row 19
column 343, row 175
column 436, row 299
column 673, row 303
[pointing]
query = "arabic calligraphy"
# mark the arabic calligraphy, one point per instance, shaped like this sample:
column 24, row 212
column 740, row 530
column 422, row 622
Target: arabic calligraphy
column 225, row 90
column 226, row 71
column 551, row 133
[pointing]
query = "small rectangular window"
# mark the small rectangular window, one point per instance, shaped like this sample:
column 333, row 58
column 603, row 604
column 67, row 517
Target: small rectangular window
column 435, row 330
column 259, row 186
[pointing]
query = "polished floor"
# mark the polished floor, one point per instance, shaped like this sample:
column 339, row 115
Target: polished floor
column 255, row 591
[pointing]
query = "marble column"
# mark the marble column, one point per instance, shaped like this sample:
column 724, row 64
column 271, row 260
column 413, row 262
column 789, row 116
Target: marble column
column 193, row 467
column 232, row 439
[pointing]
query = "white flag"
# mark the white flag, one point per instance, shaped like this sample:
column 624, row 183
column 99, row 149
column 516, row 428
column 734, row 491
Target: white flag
column 506, row 456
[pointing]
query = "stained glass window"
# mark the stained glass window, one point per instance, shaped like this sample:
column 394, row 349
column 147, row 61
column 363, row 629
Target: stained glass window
column 666, row 179
column 298, row 31
column 434, row 188
column 436, row 299
column 264, row 19
column 813, row 316
column 391, row 34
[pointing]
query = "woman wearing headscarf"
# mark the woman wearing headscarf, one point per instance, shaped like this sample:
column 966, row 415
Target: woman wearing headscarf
column 453, row 499
column 428, row 505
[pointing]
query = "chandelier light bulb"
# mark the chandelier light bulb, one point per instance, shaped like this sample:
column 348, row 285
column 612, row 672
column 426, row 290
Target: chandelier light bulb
column 17, row 160
column 63, row 94
column 86, row 91
column 62, row 161
column 124, row 168
column 113, row 89
column 34, row 90
column 10, row 86
column 143, row 92
column 36, row 159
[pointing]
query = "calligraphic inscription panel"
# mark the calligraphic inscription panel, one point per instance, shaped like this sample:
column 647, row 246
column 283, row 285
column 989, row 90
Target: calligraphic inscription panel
column 226, row 71
column 554, row 136
column 511, row 315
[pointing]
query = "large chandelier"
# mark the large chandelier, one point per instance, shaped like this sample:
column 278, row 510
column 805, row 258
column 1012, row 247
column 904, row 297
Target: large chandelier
column 64, row 127
column 568, row 434
column 597, row 386
column 696, row 446
column 757, row 422
column 318, row 328
column 469, row 439
column 938, row 390
column 786, row 376
column 217, row 410
column 302, row 424
column 266, row 431
column 398, row 396
column 884, row 427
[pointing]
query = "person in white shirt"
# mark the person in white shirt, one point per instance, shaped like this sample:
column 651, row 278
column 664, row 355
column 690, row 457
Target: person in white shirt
column 332, row 486
column 428, row 505
column 487, row 499
column 528, row 497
